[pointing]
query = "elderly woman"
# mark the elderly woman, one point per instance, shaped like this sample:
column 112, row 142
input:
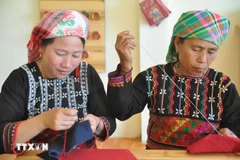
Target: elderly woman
column 186, row 99
column 46, row 96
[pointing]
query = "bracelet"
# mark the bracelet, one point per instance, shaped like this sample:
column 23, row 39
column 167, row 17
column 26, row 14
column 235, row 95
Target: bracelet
column 125, row 71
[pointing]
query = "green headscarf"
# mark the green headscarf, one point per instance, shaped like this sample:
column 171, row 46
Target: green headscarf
column 203, row 25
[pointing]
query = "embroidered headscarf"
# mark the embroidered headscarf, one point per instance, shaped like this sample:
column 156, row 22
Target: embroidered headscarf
column 54, row 24
column 203, row 25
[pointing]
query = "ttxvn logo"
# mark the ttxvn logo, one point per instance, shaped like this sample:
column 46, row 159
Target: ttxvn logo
column 32, row 146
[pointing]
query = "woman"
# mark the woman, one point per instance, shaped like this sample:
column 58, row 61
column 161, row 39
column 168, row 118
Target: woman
column 186, row 99
column 41, row 99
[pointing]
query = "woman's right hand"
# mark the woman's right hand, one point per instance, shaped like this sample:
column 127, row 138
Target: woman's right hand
column 123, row 46
column 59, row 118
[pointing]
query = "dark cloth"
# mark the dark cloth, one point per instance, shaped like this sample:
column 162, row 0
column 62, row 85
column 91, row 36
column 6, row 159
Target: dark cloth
column 79, row 133
column 25, row 94
column 174, row 121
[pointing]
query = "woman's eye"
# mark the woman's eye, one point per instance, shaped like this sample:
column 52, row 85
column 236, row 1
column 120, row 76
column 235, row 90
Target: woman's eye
column 196, row 49
column 211, row 52
column 60, row 54
column 76, row 56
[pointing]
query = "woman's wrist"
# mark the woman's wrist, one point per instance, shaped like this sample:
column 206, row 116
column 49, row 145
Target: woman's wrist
column 99, row 127
column 41, row 121
column 125, row 68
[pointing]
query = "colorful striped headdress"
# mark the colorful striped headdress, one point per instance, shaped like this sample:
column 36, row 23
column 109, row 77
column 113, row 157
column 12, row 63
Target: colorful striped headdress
column 203, row 25
column 57, row 23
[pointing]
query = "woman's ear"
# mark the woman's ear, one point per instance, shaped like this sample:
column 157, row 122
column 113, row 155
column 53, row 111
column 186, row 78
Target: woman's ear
column 176, row 43
column 41, row 49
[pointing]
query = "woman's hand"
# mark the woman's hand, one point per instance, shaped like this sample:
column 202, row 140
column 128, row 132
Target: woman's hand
column 123, row 46
column 95, row 122
column 227, row 132
column 59, row 118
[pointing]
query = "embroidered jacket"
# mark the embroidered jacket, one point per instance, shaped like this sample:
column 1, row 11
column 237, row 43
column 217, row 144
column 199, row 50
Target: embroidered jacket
column 26, row 94
column 182, row 109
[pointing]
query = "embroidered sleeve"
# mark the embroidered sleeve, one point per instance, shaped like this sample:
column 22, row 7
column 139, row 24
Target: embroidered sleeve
column 9, row 138
column 107, row 126
column 230, row 105
column 118, row 81
column 126, row 98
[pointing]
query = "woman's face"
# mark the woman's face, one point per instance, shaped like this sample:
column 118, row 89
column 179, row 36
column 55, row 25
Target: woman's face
column 195, row 56
column 61, row 57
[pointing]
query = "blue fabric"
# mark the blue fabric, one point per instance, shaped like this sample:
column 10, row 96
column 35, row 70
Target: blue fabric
column 79, row 133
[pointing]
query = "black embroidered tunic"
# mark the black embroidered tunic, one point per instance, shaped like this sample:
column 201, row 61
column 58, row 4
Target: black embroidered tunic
column 26, row 94
column 182, row 109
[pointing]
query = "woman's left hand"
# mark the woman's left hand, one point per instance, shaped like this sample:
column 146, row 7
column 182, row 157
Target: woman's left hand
column 227, row 132
column 94, row 121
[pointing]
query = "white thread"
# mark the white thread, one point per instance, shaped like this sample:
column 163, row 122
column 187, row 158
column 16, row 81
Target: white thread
column 181, row 91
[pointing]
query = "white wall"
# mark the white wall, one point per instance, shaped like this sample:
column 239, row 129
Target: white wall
column 153, row 46
column 17, row 19
column 122, row 15
column 156, row 39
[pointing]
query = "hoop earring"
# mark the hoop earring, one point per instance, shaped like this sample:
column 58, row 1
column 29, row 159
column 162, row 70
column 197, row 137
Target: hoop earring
column 40, row 56
column 177, row 55
column 174, row 57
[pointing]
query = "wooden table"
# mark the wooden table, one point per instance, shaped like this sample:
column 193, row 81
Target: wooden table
column 154, row 155
column 181, row 155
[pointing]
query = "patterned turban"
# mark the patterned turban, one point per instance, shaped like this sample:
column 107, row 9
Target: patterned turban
column 57, row 23
column 203, row 25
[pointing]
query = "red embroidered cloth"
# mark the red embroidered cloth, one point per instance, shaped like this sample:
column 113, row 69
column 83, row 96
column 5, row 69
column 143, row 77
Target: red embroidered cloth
column 215, row 143
column 95, row 154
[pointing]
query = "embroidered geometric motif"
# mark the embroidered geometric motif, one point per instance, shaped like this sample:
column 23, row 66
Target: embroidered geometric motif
column 179, row 131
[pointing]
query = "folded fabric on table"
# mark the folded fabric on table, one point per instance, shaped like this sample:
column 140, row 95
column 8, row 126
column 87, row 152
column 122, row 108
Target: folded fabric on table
column 215, row 143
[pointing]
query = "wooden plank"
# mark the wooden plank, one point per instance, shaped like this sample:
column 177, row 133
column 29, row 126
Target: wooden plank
column 95, row 48
column 43, row 11
column 101, row 29
column 97, row 60
column 91, row 6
